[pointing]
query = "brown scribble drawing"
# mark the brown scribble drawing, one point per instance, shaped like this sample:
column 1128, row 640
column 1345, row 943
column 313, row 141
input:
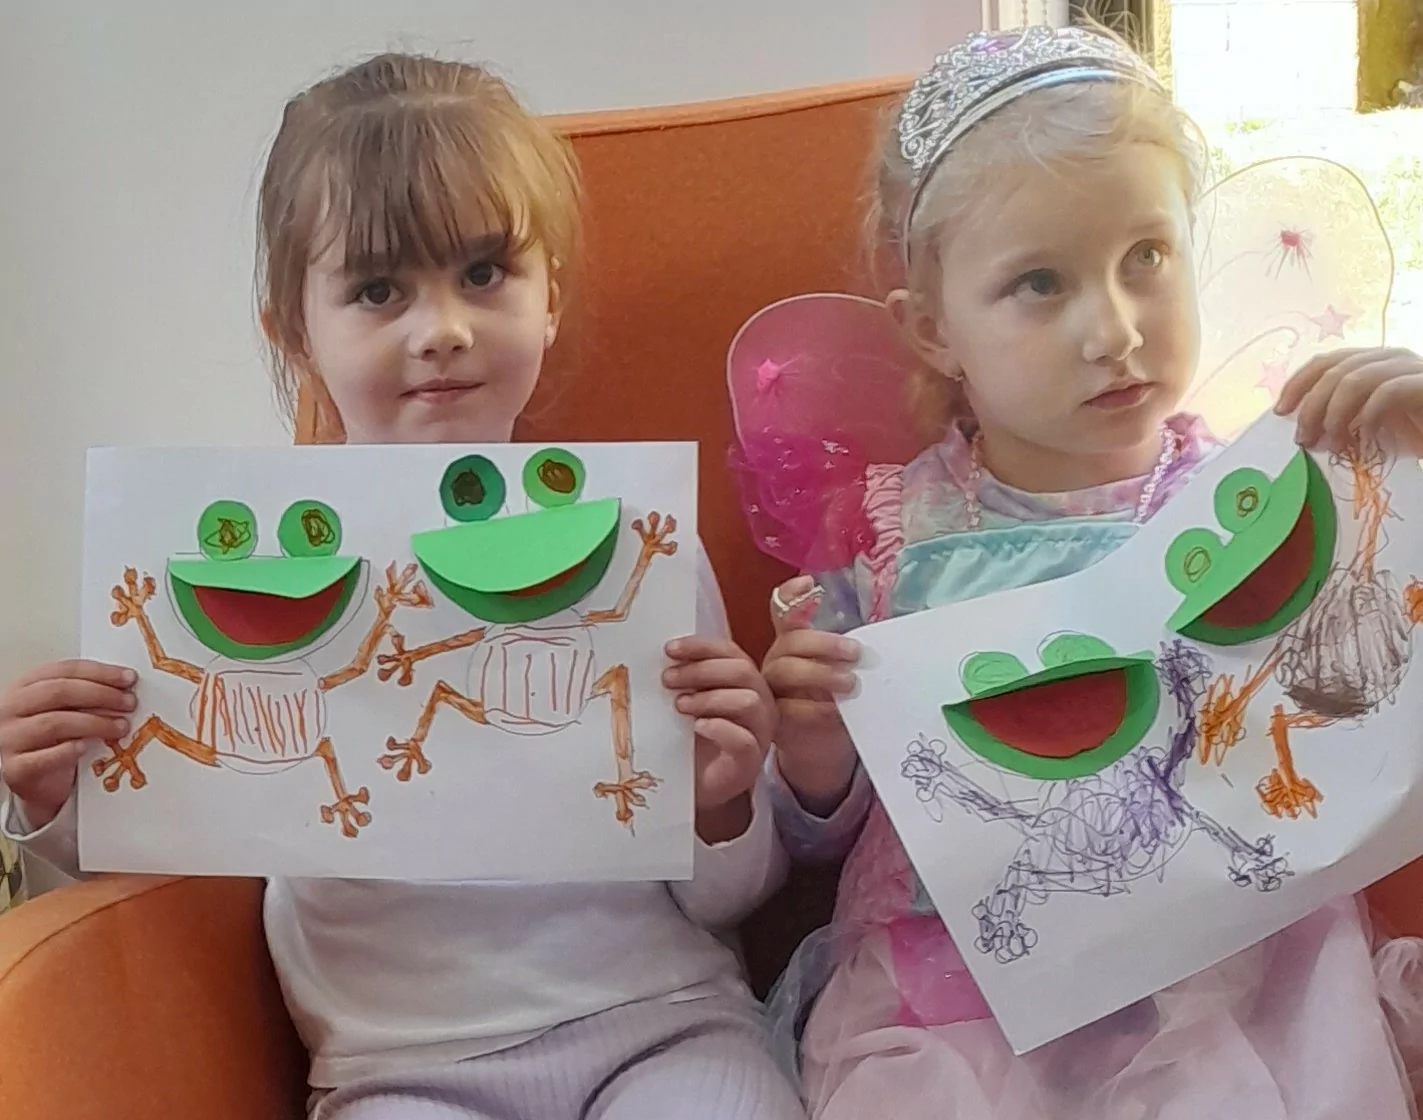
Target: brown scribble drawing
column 528, row 679
column 254, row 718
column 1343, row 659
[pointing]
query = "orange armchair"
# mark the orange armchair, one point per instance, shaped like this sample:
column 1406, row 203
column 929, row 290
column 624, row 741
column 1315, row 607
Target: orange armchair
column 137, row 998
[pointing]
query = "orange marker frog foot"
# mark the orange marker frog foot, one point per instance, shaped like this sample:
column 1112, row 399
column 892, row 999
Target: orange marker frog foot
column 408, row 755
column 131, row 597
column 402, row 590
column 1284, row 796
column 348, row 808
column 656, row 534
column 627, row 794
column 123, row 760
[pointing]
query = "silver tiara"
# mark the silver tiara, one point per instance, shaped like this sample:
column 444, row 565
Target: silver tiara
column 990, row 69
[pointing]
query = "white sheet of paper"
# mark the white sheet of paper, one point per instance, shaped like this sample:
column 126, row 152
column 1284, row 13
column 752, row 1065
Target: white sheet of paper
column 1184, row 885
column 246, row 791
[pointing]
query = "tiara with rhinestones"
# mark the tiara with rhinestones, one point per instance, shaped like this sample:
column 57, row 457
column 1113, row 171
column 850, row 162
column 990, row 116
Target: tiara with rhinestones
column 990, row 69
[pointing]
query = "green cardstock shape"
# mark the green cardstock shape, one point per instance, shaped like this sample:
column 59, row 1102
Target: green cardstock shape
column 502, row 607
column 309, row 528
column 510, row 554
column 1245, row 552
column 1060, row 672
column 562, row 468
column 1143, row 702
column 1326, row 536
column 290, row 577
column 186, row 603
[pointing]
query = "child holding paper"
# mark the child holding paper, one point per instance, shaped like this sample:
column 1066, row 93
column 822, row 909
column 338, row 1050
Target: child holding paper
column 1037, row 196
column 419, row 232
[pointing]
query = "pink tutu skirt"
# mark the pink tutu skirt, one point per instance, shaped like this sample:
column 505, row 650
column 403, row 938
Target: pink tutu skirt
column 1294, row 1028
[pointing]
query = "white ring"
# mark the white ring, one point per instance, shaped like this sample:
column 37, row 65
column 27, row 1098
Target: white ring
column 782, row 608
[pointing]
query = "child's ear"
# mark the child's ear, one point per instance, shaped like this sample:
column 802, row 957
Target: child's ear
column 555, row 312
column 919, row 324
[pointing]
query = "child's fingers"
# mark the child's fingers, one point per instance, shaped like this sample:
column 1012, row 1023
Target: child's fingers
column 1350, row 397
column 697, row 648
column 22, row 771
column 790, row 675
column 1304, row 379
column 723, row 672
column 67, row 694
column 78, row 668
column 1397, row 404
column 729, row 761
column 819, row 645
column 1314, row 407
column 50, row 729
column 747, row 709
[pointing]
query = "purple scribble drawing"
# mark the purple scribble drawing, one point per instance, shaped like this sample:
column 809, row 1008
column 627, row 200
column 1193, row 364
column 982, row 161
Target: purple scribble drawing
column 1098, row 834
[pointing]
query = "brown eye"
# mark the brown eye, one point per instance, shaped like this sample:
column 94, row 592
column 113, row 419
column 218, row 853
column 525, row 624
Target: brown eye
column 483, row 274
column 377, row 293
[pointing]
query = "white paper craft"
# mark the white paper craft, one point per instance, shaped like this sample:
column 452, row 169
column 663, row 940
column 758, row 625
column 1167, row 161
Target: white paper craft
column 1248, row 783
column 312, row 700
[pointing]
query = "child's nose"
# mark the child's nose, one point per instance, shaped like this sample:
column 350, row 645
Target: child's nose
column 1111, row 334
column 443, row 326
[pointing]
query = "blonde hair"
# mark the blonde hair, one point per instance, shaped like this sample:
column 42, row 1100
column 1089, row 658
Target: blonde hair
column 405, row 159
column 1081, row 121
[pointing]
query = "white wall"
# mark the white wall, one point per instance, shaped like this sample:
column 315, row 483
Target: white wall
column 129, row 151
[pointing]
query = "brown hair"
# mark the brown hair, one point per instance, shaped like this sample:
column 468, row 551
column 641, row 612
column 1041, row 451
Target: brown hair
column 407, row 159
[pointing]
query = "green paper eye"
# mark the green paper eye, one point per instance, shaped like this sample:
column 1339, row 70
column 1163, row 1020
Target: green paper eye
column 472, row 489
column 983, row 671
column 309, row 529
column 1066, row 649
column 1240, row 498
column 1190, row 558
column 227, row 531
column 554, row 477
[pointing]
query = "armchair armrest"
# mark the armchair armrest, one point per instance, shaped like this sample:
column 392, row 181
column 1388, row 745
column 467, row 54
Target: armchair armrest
column 132, row 997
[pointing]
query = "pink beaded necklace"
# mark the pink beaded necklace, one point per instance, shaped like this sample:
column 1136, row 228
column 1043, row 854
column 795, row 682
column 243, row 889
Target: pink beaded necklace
column 1170, row 452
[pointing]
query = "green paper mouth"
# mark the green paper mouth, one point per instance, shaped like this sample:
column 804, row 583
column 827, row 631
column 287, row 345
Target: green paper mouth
column 1142, row 701
column 1060, row 672
column 289, row 577
column 1232, row 563
column 1301, row 486
column 525, row 567
column 249, row 610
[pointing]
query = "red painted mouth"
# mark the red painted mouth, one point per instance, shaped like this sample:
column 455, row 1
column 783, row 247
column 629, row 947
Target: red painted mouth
column 256, row 619
column 1059, row 719
column 548, row 584
column 1269, row 587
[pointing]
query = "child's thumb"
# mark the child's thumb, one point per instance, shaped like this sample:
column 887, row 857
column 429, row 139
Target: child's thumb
column 794, row 603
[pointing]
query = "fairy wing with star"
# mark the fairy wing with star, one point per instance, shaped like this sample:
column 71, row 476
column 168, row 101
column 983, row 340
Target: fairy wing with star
column 821, row 392
column 1292, row 261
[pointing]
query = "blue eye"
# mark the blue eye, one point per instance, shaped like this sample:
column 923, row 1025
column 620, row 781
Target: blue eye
column 1040, row 282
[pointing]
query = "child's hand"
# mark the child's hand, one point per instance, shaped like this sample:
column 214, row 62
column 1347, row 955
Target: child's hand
column 44, row 718
column 806, row 669
column 721, row 688
column 1375, row 394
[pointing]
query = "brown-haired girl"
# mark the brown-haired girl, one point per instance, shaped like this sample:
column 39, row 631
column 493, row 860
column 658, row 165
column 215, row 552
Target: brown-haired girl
column 419, row 231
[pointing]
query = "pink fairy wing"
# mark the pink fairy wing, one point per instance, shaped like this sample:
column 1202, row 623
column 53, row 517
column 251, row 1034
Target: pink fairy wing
column 1292, row 261
column 819, row 390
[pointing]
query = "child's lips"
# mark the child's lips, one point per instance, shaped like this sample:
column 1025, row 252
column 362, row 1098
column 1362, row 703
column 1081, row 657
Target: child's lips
column 1124, row 396
column 441, row 391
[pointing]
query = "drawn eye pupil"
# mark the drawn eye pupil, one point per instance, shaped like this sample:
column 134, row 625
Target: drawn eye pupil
column 1197, row 563
column 558, row 477
column 468, row 489
column 317, row 528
